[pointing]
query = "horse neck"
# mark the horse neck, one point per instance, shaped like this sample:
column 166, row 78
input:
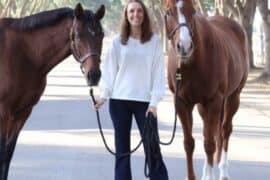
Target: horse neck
column 201, row 36
column 50, row 45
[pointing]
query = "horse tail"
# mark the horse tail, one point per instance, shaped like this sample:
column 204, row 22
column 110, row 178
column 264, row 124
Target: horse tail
column 219, row 136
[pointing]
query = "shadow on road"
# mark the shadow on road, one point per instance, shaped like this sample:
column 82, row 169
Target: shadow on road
column 89, row 163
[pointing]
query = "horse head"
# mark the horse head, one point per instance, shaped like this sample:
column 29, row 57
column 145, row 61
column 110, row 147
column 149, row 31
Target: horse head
column 86, row 41
column 178, row 18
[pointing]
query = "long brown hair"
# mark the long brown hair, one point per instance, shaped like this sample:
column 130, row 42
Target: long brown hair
column 147, row 31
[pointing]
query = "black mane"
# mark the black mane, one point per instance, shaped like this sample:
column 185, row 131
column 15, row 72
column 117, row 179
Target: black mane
column 39, row 20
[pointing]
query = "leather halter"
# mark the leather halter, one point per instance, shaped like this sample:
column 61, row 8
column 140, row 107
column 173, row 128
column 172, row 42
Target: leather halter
column 81, row 59
column 76, row 53
column 178, row 26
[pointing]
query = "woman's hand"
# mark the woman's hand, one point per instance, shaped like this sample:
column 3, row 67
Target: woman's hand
column 99, row 103
column 151, row 109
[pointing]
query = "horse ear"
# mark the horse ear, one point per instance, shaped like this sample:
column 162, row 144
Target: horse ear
column 78, row 10
column 100, row 12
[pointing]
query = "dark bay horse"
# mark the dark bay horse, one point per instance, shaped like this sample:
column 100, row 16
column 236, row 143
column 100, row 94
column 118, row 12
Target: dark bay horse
column 212, row 55
column 29, row 48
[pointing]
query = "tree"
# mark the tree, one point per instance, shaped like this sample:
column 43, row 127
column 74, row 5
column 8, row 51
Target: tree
column 20, row 8
column 265, row 14
column 6, row 7
column 243, row 11
column 113, row 15
column 156, row 14
column 204, row 6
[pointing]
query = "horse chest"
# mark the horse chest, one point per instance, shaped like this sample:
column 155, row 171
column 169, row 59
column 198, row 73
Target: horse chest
column 197, row 90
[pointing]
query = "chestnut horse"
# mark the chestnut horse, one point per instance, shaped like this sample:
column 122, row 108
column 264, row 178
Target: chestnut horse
column 212, row 55
column 29, row 48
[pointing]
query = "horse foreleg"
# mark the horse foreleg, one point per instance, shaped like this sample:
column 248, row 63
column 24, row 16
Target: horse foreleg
column 208, row 144
column 9, row 132
column 211, row 117
column 8, row 143
column 7, row 151
column 3, row 164
column 230, row 109
column 185, row 114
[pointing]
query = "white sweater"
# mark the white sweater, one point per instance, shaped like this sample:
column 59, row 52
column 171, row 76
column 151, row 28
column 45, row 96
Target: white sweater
column 134, row 71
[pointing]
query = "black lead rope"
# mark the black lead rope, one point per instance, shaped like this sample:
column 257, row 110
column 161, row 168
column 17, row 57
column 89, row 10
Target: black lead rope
column 152, row 141
column 178, row 77
column 152, row 149
column 150, row 137
column 103, row 137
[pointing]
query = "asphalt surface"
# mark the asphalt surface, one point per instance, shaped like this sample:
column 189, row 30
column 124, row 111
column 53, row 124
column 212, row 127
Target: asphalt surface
column 61, row 141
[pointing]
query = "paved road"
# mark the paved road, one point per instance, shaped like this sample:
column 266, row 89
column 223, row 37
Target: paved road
column 60, row 141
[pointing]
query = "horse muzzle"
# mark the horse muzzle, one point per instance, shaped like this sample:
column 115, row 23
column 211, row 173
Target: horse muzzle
column 183, row 52
column 93, row 77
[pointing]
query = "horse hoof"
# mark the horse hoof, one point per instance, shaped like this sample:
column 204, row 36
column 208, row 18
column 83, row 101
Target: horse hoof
column 208, row 178
column 223, row 178
column 191, row 178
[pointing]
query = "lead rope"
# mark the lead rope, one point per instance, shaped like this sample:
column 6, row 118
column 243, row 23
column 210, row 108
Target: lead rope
column 149, row 134
column 152, row 149
column 102, row 134
column 178, row 77
column 152, row 136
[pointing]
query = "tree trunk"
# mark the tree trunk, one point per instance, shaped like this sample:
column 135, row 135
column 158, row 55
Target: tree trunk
column 248, row 27
column 201, row 7
column 158, row 19
column 246, row 17
column 265, row 13
column 244, row 12
column 262, row 44
column 6, row 10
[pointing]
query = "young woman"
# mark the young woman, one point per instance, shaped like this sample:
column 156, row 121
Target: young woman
column 133, row 80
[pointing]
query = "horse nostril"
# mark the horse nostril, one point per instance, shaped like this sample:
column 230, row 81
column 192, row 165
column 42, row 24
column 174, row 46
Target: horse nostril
column 180, row 49
column 191, row 46
column 98, row 74
column 178, row 46
column 93, row 77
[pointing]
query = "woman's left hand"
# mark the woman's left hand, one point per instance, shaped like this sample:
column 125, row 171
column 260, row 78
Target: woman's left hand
column 151, row 109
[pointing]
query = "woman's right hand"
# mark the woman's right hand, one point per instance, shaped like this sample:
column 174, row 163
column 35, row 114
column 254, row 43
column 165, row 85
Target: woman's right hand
column 99, row 103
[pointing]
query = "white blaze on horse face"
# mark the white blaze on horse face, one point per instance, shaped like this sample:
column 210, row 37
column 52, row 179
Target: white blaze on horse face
column 224, row 166
column 185, row 38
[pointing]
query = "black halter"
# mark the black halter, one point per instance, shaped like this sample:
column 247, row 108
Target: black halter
column 81, row 59
column 76, row 54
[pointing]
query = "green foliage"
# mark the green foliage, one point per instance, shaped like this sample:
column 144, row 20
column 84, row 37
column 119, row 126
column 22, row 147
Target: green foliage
column 113, row 16
column 209, row 4
column 113, row 10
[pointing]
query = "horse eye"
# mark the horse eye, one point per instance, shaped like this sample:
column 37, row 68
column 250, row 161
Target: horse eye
column 169, row 12
column 91, row 32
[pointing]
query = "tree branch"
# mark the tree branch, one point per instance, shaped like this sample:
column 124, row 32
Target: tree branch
column 202, row 7
column 239, row 6
column 229, row 5
column 263, row 9
column 6, row 8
